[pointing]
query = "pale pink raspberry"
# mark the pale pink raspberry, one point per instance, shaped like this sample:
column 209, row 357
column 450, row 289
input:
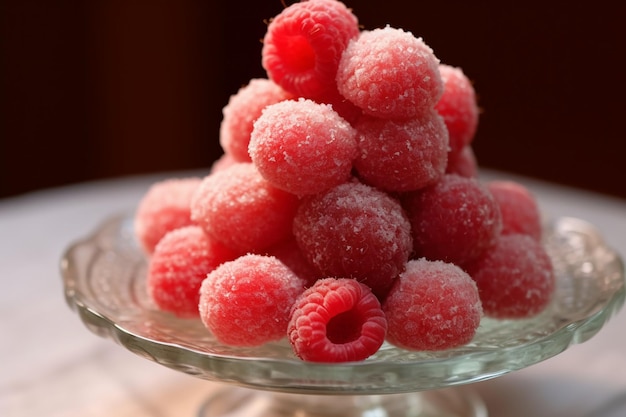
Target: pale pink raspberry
column 390, row 73
column 303, row 147
column 248, row 301
column 238, row 207
column 180, row 262
column 164, row 207
column 402, row 155
column 433, row 305
column 242, row 110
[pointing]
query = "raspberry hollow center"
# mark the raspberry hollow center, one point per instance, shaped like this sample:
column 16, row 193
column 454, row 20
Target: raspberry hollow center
column 344, row 327
column 299, row 55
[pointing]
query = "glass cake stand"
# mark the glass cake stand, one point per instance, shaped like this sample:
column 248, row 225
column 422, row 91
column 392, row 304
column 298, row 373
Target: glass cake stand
column 104, row 281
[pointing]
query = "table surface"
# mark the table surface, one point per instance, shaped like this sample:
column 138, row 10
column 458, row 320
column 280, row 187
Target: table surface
column 52, row 366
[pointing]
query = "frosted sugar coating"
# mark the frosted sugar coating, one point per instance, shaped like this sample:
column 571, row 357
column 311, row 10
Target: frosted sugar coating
column 402, row 155
column 463, row 163
column 248, row 301
column 458, row 106
column 180, row 262
column 389, row 73
column 238, row 207
column 454, row 220
column 242, row 110
column 518, row 206
column 164, row 207
column 515, row 278
column 303, row 147
column 433, row 305
column 354, row 231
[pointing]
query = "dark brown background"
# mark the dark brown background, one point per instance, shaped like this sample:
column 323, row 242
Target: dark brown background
column 100, row 89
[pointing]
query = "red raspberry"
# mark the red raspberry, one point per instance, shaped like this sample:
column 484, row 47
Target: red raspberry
column 454, row 220
column 389, row 73
column 165, row 207
column 463, row 163
column 458, row 107
column 303, row 45
column 179, row 264
column 355, row 231
column 237, row 206
column 248, row 301
column 520, row 211
column 242, row 110
column 402, row 155
column 432, row 305
column 336, row 320
column 515, row 278
column 303, row 147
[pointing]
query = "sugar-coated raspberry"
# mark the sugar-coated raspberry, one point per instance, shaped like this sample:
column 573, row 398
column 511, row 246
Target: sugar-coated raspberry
column 402, row 155
column 454, row 220
column 389, row 73
column 458, row 106
column 303, row 147
column 239, row 207
column 242, row 110
column 354, row 231
column 180, row 262
column 463, row 163
column 337, row 320
column 433, row 305
column 519, row 208
column 515, row 278
column 164, row 207
column 303, row 45
column 248, row 301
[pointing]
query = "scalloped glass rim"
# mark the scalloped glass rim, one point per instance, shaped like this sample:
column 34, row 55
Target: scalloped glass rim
column 103, row 280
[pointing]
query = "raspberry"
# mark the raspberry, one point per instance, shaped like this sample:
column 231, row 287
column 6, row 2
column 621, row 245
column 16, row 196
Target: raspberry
column 389, row 73
column 515, row 278
column 303, row 45
column 237, row 206
column 432, row 305
column 520, row 211
column 179, row 264
column 163, row 208
column 248, row 301
column 458, row 107
column 354, row 231
column 336, row 320
column 402, row 155
column 454, row 220
column 463, row 163
column 242, row 110
column 303, row 147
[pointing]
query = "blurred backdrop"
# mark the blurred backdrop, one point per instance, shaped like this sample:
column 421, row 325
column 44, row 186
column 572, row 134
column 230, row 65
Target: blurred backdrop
column 102, row 89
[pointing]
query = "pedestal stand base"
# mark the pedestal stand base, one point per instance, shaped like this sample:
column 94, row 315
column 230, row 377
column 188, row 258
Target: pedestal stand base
column 241, row 402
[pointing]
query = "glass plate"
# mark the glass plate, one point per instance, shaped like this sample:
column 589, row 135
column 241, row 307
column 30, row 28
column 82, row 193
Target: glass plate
column 104, row 280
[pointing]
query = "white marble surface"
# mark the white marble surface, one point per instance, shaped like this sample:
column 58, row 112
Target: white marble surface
column 51, row 366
